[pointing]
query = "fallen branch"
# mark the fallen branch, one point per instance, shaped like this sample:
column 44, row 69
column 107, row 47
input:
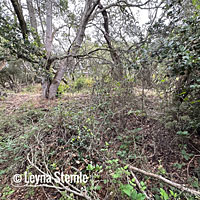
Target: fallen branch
column 177, row 185
column 139, row 186
column 81, row 194
column 188, row 166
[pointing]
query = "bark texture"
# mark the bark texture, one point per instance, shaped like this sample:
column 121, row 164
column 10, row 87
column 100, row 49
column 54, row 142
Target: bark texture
column 31, row 11
column 90, row 5
column 48, row 43
column 18, row 10
column 117, row 69
column 46, row 82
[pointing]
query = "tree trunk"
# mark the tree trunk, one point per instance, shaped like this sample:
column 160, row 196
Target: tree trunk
column 117, row 69
column 18, row 10
column 89, row 8
column 48, row 43
column 32, row 14
column 56, row 81
column 45, row 87
column 46, row 81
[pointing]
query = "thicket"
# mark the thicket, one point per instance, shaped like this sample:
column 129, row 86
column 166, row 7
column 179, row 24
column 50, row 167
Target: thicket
column 149, row 118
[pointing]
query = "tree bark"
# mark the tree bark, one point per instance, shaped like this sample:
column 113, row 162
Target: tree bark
column 46, row 82
column 18, row 10
column 33, row 21
column 89, row 8
column 117, row 70
column 48, row 43
column 31, row 11
column 50, row 86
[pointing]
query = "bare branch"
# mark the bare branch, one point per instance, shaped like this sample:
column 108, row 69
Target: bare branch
column 139, row 186
column 177, row 185
column 52, row 178
column 125, row 3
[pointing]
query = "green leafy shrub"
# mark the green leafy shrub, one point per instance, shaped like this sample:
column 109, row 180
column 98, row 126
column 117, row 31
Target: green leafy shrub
column 83, row 82
column 62, row 89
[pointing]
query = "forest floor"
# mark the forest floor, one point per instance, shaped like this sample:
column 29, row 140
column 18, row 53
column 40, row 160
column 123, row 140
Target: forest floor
column 125, row 134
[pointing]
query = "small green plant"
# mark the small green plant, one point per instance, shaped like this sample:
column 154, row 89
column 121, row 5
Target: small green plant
column 122, row 154
column 79, row 83
column 66, row 197
column 168, row 196
column 96, row 167
column 161, row 169
column 7, row 191
column 178, row 165
column 54, row 166
column 83, row 82
column 186, row 155
column 182, row 133
column 173, row 194
column 163, row 194
column 131, row 192
column 62, row 89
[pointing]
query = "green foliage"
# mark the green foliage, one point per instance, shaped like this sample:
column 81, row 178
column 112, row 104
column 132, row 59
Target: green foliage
column 183, row 133
column 63, row 5
column 196, row 4
column 168, row 195
column 79, row 83
column 181, row 52
column 179, row 166
column 62, row 88
column 6, row 192
column 186, row 156
column 13, row 43
column 131, row 192
column 72, row 131
column 15, row 75
column 66, row 197
column 82, row 83
column 90, row 167
column 175, row 48
column 117, row 176
column 163, row 194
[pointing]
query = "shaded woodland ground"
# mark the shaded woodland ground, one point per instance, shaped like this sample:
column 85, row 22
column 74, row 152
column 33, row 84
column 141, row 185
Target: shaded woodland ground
column 110, row 89
column 97, row 135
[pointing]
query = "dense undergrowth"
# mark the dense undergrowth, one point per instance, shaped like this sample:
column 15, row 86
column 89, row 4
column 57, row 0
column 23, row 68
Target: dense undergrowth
column 98, row 135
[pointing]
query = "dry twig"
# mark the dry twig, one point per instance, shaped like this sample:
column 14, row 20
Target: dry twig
column 139, row 186
column 177, row 185
column 188, row 166
column 80, row 193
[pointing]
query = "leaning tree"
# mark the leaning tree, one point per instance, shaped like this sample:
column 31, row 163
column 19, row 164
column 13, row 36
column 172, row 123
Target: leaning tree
column 45, row 32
